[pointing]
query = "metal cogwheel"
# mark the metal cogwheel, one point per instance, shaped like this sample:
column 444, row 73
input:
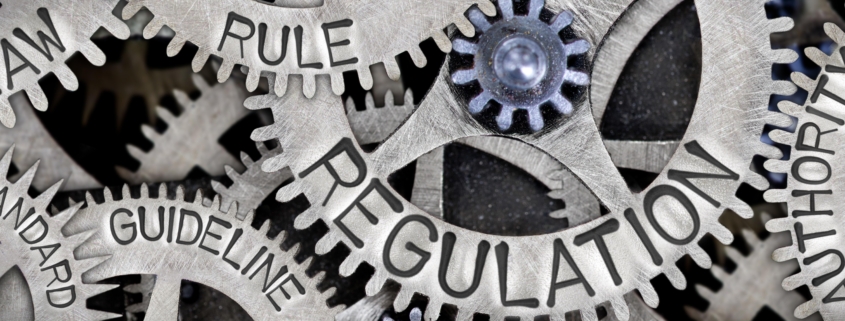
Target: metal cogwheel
column 642, row 236
column 308, row 38
column 37, row 38
column 812, row 184
column 178, row 240
column 32, row 242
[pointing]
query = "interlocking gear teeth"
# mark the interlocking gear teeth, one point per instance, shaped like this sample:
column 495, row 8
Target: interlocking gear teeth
column 373, row 125
column 193, row 135
column 229, row 265
column 32, row 241
column 68, row 28
column 306, row 43
column 812, row 186
column 251, row 187
column 733, row 301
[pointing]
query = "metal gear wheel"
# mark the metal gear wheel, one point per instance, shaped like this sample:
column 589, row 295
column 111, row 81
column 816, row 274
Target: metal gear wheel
column 347, row 189
column 39, row 36
column 327, row 38
column 201, row 244
column 31, row 241
column 812, row 186
column 521, row 63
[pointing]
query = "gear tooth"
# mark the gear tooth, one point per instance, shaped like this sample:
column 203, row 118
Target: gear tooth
column 817, row 56
column 466, row 314
column 265, row 228
column 365, row 77
column 792, row 282
column 694, row 313
column 252, row 78
column 487, row 7
column 675, row 277
column 719, row 273
column 392, row 68
column 136, row 153
column 150, row 133
column 784, row 56
column 153, row 27
column 776, row 195
column 165, row 114
column 778, row 119
column 246, row 160
column 338, row 85
column 649, row 295
column 348, row 266
column 175, row 45
column 145, row 191
column 66, row 77
column 699, row 256
column 388, row 99
column 37, row 98
column 6, row 161
column 784, row 254
column 350, row 105
column 777, row 225
column 705, row 292
column 403, row 299
column 464, row 76
column 26, row 179
column 408, row 99
column 432, row 311
column 369, row 103
column 125, row 194
column 162, row 191
column 722, row 234
column 279, row 83
column 589, row 314
column 231, row 172
column 784, row 88
column 374, row 285
column 751, row 238
column 107, row 194
column 782, row 137
column 834, row 32
column 442, row 41
column 93, row 53
column 790, row 108
column 199, row 60
column 198, row 197
column 7, row 116
column 132, row 7
column 465, row 26
column 265, row 133
column 620, row 307
column 417, row 56
column 776, row 166
column 781, row 24
column 807, row 308
column 225, row 70
column 215, row 204
column 765, row 217
column 741, row 208
column 89, row 198
column 180, row 193
column 803, row 81
column 757, row 181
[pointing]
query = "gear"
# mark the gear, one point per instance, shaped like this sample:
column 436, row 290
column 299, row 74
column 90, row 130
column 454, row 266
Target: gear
column 39, row 36
column 31, row 240
column 733, row 301
column 251, row 187
column 521, row 63
column 642, row 235
column 193, row 135
column 225, row 253
column 328, row 38
column 810, row 194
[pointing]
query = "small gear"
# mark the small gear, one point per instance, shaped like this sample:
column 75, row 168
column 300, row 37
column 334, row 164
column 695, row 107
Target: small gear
column 320, row 38
column 521, row 63
column 190, row 241
column 753, row 275
column 812, row 187
column 193, row 135
column 347, row 190
column 32, row 241
column 39, row 36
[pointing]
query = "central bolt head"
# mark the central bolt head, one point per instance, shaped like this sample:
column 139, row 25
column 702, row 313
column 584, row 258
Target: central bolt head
column 519, row 62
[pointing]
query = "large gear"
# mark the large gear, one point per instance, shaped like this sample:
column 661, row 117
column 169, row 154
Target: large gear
column 201, row 244
column 275, row 41
column 32, row 241
column 813, row 184
column 351, row 196
column 39, row 36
